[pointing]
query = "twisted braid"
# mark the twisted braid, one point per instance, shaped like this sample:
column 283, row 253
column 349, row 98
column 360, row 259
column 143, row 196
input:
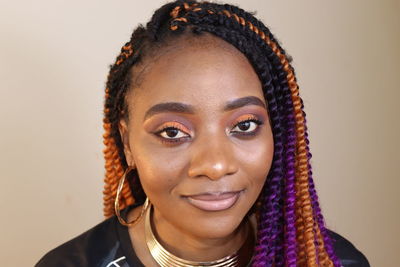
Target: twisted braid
column 115, row 164
column 290, row 193
column 291, row 229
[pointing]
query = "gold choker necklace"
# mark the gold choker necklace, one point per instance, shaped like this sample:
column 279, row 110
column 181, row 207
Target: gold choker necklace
column 166, row 259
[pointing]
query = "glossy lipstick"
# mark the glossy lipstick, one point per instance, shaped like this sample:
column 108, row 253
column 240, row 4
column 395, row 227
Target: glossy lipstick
column 216, row 201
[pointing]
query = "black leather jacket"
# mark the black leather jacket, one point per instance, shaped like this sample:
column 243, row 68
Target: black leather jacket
column 108, row 245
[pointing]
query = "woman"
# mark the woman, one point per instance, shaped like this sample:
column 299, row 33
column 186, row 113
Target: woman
column 207, row 158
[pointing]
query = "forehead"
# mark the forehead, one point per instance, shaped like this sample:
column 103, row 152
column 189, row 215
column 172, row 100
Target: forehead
column 203, row 71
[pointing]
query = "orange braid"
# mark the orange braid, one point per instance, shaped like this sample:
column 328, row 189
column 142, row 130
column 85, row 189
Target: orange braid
column 323, row 257
column 110, row 179
column 175, row 13
column 126, row 52
column 113, row 164
column 114, row 172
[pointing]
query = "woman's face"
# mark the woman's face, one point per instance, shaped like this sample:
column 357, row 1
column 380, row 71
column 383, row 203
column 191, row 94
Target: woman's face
column 199, row 135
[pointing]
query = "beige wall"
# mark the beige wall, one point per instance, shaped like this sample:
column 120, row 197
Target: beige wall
column 54, row 57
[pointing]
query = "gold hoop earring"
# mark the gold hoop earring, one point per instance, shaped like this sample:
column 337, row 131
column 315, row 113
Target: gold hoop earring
column 116, row 202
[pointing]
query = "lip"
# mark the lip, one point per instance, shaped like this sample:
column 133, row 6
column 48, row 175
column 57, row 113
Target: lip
column 214, row 201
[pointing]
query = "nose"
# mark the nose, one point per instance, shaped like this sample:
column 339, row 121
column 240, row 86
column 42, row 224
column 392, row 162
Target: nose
column 213, row 158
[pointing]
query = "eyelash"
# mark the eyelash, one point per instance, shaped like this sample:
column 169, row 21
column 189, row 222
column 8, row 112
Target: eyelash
column 172, row 126
column 249, row 119
column 180, row 139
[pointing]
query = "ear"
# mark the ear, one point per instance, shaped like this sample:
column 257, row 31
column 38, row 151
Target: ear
column 124, row 132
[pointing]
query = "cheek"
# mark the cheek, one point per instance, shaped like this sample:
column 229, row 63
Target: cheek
column 160, row 170
column 257, row 159
column 257, row 166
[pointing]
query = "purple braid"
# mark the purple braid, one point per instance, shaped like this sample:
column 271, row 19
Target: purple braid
column 270, row 224
column 290, row 192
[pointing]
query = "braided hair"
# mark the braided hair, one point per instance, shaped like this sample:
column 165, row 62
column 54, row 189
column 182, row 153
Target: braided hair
column 291, row 230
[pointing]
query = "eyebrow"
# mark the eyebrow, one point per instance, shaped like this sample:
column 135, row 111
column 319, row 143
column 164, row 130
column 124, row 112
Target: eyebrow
column 177, row 107
column 169, row 107
column 244, row 101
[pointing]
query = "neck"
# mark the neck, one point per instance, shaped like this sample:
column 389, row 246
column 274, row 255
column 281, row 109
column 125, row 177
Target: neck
column 196, row 248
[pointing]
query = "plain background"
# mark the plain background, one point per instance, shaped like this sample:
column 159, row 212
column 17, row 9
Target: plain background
column 54, row 58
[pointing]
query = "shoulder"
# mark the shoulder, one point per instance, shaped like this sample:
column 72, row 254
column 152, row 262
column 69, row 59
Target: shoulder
column 96, row 247
column 347, row 253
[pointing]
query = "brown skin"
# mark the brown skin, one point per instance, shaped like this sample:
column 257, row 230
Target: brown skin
column 212, row 153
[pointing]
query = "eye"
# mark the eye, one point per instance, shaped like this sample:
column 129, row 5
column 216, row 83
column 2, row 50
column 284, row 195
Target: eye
column 248, row 126
column 172, row 133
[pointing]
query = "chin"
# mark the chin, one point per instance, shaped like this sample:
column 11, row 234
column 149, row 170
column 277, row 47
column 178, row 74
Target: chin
column 216, row 225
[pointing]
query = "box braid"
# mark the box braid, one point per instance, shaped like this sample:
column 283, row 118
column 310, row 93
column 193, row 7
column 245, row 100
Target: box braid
column 291, row 230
